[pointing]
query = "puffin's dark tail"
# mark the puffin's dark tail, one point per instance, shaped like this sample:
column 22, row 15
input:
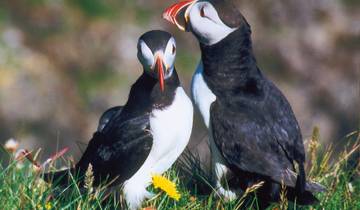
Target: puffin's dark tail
column 301, row 180
column 303, row 194
column 307, row 197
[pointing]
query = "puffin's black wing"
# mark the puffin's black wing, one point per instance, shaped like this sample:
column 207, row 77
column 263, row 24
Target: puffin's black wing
column 114, row 154
column 107, row 115
column 249, row 143
column 278, row 112
column 120, row 151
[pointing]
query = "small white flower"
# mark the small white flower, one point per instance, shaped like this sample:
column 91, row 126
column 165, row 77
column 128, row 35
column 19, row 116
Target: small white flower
column 11, row 145
column 351, row 187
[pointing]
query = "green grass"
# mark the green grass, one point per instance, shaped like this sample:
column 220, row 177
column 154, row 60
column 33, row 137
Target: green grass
column 23, row 188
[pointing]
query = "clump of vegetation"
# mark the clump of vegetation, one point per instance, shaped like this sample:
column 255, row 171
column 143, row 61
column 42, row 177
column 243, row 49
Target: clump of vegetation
column 21, row 186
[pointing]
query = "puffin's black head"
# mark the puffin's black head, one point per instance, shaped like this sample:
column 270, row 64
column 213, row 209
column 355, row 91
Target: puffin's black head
column 209, row 20
column 156, row 52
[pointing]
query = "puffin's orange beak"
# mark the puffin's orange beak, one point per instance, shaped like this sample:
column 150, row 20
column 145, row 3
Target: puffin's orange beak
column 171, row 14
column 160, row 68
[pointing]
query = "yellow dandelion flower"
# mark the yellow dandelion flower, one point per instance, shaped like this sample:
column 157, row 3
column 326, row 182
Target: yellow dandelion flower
column 166, row 185
column 48, row 206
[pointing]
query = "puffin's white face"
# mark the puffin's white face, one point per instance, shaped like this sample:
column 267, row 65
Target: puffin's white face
column 206, row 24
column 165, row 56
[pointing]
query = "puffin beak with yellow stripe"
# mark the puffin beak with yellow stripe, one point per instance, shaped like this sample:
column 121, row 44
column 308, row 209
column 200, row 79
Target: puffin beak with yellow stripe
column 178, row 14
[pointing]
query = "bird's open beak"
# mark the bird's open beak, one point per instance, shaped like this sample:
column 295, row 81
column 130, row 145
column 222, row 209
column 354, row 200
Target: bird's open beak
column 159, row 66
column 178, row 14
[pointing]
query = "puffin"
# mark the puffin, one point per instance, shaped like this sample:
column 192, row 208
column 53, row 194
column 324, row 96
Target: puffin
column 146, row 135
column 254, row 135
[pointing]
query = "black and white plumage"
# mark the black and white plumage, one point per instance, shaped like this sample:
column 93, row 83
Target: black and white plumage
column 149, row 132
column 253, row 131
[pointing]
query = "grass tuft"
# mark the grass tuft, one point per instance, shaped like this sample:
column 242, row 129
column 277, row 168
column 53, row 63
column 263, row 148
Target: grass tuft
column 21, row 187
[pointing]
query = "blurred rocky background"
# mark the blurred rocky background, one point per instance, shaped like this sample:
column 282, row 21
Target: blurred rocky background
column 63, row 62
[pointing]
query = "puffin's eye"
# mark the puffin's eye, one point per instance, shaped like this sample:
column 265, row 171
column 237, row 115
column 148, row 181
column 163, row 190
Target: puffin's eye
column 202, row 12
column 173, row 49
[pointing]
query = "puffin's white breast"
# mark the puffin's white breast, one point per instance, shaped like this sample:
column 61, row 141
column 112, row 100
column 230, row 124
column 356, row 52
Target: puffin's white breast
column 171, row 129
column 202, row 96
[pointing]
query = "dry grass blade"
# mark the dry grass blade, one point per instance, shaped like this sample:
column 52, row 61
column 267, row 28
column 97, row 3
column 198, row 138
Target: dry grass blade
column 346, row 155
column 313, row 149
column 248, row 191
column 89, row 179
column 283, row 197
column 324, row 164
